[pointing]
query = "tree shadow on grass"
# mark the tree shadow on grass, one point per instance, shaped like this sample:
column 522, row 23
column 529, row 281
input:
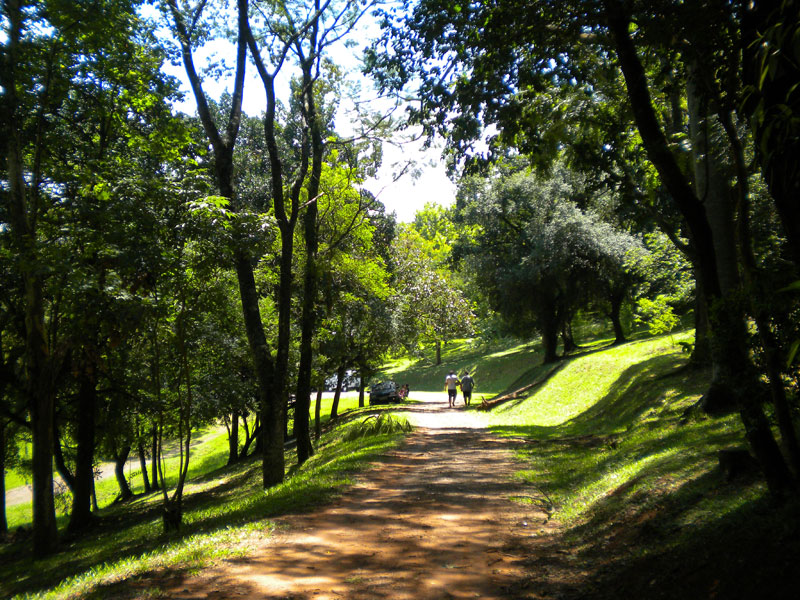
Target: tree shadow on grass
column 656, row 518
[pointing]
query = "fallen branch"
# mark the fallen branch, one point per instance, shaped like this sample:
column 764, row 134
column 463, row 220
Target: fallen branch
column 497, row 400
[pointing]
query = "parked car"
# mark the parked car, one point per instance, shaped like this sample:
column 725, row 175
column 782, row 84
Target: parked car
column 383, row 393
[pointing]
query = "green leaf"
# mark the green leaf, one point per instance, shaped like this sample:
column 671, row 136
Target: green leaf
column 792, row 352
column 792, row 287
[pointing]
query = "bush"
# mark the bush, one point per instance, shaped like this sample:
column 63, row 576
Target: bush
column 377, row 425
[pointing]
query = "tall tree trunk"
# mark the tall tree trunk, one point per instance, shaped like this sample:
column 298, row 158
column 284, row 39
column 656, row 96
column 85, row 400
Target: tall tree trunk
column 438, row 352
column 318, row 416
column 771, row 72
column 233, row 438
column 753, row 281
column 734, row 375
column 3, row 519
column 720, row 206
column 173, row 507
column 120, row 458
column 308, row 321
column 143, row 467
column 270, row 376
column 337, row 394
column 23, row 211
column 311, row 234
column 81, row 515
column 154, row 457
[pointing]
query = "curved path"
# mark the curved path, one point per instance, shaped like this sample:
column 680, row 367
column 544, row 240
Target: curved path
column 433, row 519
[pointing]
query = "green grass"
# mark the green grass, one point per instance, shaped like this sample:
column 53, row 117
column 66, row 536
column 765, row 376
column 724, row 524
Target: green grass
column 209, row 451
column 495, row 369
column 224, row 508
column 607, row 437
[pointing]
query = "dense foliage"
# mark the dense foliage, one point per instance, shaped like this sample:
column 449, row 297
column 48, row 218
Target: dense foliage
column 162, row 271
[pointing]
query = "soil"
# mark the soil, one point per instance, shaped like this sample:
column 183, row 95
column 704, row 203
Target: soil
column 440, row 517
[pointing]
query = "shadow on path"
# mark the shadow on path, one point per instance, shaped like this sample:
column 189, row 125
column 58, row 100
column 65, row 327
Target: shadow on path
column 434, row 519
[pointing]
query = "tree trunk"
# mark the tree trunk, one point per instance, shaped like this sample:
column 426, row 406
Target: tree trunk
column 438, row 352
column 701, row 354
column 734, row 376
column 120, row 458
column 311, row 235
column 143, row 467
column 270, row 376
column 616, row 309
column 23, row 207
column 154, row 458
column 318, row 416
column 772, row 104
column 81, row 515
column 550, row 342
column 338, row 392
column 233, row 438
column 3, row 519
column 711, row 184
column 271, row 430
column 567, row 338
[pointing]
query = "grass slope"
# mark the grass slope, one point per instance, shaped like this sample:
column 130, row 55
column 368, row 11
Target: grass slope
column 495, row 369
column 635, row 485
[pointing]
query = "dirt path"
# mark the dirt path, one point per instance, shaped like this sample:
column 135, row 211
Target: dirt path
column 432, row 520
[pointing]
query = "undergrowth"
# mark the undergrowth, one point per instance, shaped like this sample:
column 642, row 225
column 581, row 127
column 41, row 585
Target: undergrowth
column 380, row 424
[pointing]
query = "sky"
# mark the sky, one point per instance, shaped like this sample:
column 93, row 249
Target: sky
column 426, row 183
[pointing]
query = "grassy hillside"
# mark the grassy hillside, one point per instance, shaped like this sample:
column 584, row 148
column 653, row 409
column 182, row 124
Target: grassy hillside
column 495, row 368
column 632, row 476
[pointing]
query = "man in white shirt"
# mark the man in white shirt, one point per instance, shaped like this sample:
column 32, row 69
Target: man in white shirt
column 451, row 383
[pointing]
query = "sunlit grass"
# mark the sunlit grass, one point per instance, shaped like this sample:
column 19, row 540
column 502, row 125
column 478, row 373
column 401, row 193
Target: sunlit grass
column 609, row 437
column 225, row 510
column 208, row 452
column 495, row 370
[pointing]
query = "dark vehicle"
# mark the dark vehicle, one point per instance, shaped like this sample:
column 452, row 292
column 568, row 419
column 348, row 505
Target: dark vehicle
column 384, row 393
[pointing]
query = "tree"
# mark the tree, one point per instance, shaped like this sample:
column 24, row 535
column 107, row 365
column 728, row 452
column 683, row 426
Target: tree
column 191, row 31
column 492, row 77
column 59, row 58
column 307, row 31
column 426, row 306
column 538, row 256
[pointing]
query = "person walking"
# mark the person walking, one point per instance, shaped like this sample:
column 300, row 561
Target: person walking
column 467, row 385
column 451, row 384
